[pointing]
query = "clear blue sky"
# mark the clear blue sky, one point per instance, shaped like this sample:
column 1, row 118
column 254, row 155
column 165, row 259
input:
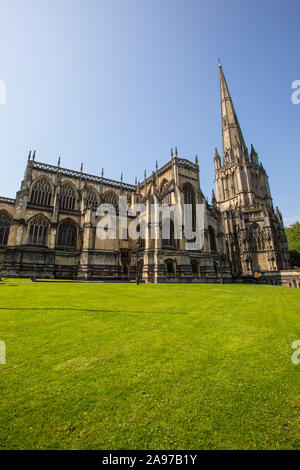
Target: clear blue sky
column 117, row 83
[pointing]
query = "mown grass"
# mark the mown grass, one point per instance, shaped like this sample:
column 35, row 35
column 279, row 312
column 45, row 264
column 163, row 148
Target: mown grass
column 117, row 366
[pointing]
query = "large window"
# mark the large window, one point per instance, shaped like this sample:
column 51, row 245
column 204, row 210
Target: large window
column 167, row 199
column 5, row 221
column 168, row 235
column 67, row 235
column 67, row 197
column 38, row 229
column 212, row 239
column 110, row 198
column 92, row 198
column 41, row 193
column 189, row 199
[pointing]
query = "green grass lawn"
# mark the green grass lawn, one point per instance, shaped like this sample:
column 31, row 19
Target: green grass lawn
column 119, row 366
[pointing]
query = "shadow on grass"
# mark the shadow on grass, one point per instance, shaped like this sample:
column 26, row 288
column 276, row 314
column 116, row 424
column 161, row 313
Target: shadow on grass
column 90, row 310
column 10, row 285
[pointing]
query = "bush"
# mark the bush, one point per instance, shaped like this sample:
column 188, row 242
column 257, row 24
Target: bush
column 295, row 258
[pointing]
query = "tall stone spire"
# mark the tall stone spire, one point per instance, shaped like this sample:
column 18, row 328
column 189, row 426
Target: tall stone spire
column 232, row 136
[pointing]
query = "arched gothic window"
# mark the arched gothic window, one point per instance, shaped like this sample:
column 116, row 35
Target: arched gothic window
column 5, row 221
column 67, row 235
column 168, row 235
column 92, row 198
column 110, row 198
column 212, row 239
column 166, row 200
column 67, row 197
column 41, row 193
column 188, row 195
column 38, row 229
column 189, row 199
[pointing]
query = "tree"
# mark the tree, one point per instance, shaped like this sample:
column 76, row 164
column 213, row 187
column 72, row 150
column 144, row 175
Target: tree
column 293, row 236
column 293, row 239
column 295, row 258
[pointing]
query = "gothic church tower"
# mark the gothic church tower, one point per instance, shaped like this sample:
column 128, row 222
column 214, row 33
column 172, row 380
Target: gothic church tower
column 254, row 231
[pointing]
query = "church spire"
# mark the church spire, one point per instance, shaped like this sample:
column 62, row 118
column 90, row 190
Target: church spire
column 232, row 136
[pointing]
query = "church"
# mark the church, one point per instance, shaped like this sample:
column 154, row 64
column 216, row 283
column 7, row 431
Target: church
column 50, row 229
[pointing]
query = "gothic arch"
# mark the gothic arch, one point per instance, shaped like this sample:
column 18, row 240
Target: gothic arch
column 110, row 197
column 212, row 238
column 167, row 199
column 147, row 191
column 37, row 230
column 169, row 241
column 189, row 198
column 92, row 198
column 67, row 234
column 163, row 185
column 68, row 196
column 189, row 192
column 41, row 191
column 170, row 267
column 5, row 222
